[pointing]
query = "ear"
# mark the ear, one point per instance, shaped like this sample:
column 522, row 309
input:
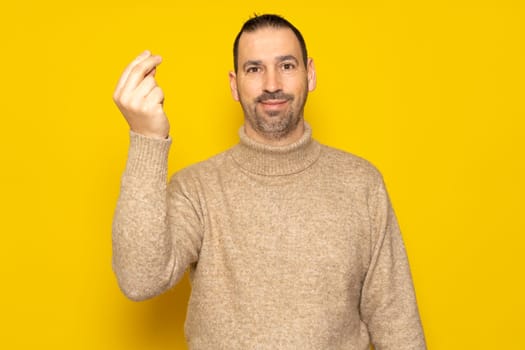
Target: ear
column 233, row 85
column 310, row 71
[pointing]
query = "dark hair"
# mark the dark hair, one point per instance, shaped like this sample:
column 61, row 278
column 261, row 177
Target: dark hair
column 264, row 21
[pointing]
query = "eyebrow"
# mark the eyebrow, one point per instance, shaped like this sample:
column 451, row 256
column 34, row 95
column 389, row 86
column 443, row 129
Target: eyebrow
column 278, row 59
column 287, row 58
column 251, row 63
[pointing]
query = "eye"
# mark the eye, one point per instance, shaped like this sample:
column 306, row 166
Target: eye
column 253, row 69
column 287, row 66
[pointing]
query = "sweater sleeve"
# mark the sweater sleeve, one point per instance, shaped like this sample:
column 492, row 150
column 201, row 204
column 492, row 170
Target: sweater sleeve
column 150, row 251
column 388, row 302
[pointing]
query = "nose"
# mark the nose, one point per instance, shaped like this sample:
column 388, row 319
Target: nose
column 272, row 81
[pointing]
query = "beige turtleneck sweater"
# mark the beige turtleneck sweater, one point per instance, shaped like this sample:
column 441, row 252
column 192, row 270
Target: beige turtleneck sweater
column 293, row 247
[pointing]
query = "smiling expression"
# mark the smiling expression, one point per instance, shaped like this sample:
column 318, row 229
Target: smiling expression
column 272, row 84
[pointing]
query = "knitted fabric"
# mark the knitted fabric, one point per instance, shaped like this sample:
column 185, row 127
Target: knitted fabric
column 293, row 247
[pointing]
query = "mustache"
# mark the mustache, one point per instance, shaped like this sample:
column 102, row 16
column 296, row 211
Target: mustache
column 278, row 95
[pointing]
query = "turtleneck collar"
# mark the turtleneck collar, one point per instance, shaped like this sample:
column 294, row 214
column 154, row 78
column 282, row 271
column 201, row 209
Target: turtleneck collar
column 269, row 160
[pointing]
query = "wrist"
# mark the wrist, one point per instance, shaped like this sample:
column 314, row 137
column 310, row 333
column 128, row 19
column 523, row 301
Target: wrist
column 152, row 135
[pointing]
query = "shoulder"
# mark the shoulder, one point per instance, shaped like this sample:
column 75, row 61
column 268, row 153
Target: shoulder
column 205, row 169
column 349, row 166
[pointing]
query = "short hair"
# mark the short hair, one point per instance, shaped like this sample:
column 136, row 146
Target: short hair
column 265, row 21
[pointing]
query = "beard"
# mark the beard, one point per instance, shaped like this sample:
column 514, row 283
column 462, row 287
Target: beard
column 274, row 125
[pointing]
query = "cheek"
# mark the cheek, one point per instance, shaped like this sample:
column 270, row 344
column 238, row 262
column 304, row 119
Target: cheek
column 296, row 85
column 249, row 90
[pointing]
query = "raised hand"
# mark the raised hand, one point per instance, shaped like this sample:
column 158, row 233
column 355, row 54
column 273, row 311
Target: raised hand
column 140, row 99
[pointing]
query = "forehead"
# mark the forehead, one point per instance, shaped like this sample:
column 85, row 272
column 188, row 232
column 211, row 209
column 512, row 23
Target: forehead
column 268, row 43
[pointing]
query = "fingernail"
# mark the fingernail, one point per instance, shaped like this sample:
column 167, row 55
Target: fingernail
column 145, row 53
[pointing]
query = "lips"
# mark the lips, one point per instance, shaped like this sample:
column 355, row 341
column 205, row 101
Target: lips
column 274, row 102
column 274, row 97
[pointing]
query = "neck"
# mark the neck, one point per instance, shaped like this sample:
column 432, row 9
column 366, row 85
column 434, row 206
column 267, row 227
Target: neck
column 265, row 159
column 290, row 138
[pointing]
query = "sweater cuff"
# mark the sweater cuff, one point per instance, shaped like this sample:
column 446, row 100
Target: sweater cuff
column 148, row 157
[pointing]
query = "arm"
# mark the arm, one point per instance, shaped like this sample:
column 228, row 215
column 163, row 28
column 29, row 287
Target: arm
column 149, row 257
column 388, row 302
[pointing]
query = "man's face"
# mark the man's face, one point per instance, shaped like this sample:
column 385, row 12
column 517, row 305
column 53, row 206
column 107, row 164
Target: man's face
column 271, row 82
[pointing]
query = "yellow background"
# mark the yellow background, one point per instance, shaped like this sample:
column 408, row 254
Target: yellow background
column 432, row 92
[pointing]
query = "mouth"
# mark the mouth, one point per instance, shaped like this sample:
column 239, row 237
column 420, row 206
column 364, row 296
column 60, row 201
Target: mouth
column 274, row 107
column 274, row 102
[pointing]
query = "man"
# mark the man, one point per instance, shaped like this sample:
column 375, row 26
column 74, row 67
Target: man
column 290, row 244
